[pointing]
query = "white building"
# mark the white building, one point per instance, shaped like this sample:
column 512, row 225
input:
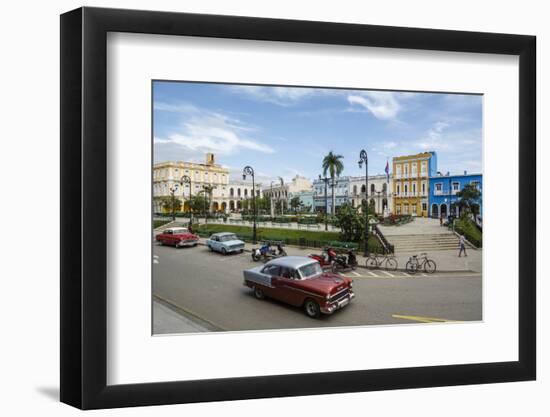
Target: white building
column 379, row 193
column 280, row 193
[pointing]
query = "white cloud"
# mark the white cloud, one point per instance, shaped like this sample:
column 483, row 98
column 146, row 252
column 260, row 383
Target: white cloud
column 381, row 104
column 282, row 96
column 179, row 107
column 212, row 132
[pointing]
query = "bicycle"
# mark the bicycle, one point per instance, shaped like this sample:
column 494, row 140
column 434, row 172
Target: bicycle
column 420, row 262
column 375, row 261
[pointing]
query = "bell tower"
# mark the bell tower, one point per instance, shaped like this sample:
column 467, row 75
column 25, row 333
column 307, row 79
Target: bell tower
column 210, row 159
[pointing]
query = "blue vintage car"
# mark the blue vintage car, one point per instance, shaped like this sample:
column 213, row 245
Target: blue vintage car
column 225, row 243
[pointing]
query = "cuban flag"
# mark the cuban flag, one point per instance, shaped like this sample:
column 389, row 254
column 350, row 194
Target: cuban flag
column 387, row 171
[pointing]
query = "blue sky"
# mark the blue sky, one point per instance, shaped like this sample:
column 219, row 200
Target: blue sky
column 284, row 131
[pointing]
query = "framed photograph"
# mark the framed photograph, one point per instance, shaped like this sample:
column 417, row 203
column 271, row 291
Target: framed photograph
column 258, row 208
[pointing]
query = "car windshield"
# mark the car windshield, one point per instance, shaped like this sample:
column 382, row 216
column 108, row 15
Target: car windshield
column 227, row 238
column 179, row 231
column 310, row 270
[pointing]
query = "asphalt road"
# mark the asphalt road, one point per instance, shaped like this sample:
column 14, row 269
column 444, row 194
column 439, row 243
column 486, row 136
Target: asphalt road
column 207, row 288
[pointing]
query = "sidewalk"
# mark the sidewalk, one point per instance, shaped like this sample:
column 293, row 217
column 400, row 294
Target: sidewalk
column 446, row 260
column 167, row 320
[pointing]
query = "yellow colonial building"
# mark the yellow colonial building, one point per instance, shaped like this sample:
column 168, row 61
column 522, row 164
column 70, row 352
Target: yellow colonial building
column 411, row 181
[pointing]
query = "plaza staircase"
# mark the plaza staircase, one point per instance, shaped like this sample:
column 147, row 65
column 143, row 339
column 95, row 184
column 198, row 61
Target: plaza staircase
column 421, row 235
column 424, row 243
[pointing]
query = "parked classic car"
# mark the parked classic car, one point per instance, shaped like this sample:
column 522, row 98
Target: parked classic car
column 225, row 243
column 178, row 237
column 301, row 282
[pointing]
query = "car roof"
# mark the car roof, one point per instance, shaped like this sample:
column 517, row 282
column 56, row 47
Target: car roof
column 223, row 234
column 176, row 228
column 292, row 261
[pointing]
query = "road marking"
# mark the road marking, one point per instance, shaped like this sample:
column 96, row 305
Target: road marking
column 356, row 274
column 373, row 274
column 155, row 256
column 424, row 319
column 388, row 274
column 424, row 275
column 156, row 261
column 407, row 275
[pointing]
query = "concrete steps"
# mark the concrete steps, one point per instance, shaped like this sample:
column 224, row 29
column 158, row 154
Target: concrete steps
column 424, row 243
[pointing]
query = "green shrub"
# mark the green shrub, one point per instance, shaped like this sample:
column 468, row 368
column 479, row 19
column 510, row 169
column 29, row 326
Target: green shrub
column 471, row 232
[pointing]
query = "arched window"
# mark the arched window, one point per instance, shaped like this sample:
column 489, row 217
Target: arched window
column 363, row 189
column 231, row 192
column 246, row 192
column 238, row 192
column 372, row 188
column 384, row 187
column 355, row 190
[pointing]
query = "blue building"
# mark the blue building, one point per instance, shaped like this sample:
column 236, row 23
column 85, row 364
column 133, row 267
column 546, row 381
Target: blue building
column 306, row 198
column 341, row 194
column 443, row 190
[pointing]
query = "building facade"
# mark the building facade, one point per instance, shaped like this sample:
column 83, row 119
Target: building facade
column 411, row 182
column 443, row 190
column 279, row 194
column 210, row 178
column 379, row 193
column 341, row 194
column 306, row 199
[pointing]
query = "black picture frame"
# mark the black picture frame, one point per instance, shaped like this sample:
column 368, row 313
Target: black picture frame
column 84, row 207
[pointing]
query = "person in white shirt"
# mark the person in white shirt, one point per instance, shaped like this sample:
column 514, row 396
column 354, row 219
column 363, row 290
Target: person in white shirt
column 462, row 244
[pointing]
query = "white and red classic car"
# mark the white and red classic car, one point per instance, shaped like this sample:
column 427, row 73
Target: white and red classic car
column 301, row 282
column 178, row 237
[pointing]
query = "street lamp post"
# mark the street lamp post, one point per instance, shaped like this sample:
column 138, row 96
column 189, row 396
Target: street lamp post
column 325, row 180
column 363, row 158
column 186, row 179
column 271, row 207
column 248, row 170
column 173, row 201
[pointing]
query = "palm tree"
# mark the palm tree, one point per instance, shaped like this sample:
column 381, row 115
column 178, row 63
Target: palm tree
column 207, row 190
column 282, row 181
column 333, row 165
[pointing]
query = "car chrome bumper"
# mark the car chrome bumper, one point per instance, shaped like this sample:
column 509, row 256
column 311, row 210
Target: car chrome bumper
column 188, row 243
column 239, row 249
column 337, row 305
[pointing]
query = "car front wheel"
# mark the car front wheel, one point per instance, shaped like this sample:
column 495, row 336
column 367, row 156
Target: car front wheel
column 224, row 251
column 312, row 309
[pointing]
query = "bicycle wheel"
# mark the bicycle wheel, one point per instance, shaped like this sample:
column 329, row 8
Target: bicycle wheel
column 411, row 267
column 429, row 266
column 391, row 264
column 372, row 263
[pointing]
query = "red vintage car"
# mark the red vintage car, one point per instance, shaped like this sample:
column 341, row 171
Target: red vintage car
column 178, row 237
column 301, row 282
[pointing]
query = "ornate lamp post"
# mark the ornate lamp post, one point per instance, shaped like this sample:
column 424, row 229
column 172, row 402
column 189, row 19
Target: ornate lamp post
column 248, row 170
column 325, row 180
column 173, row 201
column 271, row 206
column 186, row 179
column 363, row 158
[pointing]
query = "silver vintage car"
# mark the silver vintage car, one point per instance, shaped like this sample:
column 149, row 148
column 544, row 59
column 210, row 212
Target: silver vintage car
column 225, row 243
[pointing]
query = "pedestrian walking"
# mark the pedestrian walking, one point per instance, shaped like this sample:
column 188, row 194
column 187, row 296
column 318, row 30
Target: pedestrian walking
column 190, row 227
column 462, row 243
column 441, row 220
